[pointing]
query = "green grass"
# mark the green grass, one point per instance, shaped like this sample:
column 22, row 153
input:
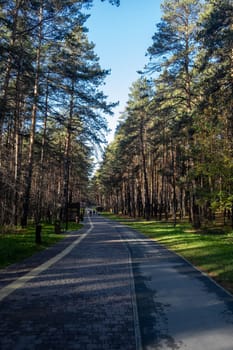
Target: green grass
column 17, row 244
column 211, row 253
column 72, row 226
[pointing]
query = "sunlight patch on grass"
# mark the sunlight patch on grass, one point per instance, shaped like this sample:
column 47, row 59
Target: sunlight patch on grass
column 211, row 253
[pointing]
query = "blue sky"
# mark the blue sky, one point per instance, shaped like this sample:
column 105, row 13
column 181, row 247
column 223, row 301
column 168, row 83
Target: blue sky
column 122, row 35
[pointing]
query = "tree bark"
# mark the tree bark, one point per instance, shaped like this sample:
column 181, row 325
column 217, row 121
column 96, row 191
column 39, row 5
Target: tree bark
column 27, row 192
column 144, row 169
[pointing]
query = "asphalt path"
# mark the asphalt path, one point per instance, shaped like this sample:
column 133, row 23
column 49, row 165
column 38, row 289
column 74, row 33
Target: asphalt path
column 179, row 307
column 108, row 287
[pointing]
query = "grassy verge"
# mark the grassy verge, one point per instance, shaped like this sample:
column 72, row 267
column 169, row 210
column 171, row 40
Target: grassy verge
column 18, row 244
column 211, row 253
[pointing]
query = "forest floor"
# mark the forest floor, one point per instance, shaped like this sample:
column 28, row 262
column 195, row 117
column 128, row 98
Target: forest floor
column 207, row 250
column 17, row 244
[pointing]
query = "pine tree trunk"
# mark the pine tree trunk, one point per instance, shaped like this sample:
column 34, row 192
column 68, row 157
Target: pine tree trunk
column 66, row 175
column 174, row 204
column 28, row 184
column 17, row 153
column 144, row 170
column 40, row 189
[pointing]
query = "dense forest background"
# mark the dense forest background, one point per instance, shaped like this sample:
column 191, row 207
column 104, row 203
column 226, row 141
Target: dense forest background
column 172, row 156
column 52, row 109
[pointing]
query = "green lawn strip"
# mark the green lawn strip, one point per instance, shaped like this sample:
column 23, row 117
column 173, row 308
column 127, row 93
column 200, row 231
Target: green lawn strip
column 20, row 243
column 72, row 226
column 210, row 253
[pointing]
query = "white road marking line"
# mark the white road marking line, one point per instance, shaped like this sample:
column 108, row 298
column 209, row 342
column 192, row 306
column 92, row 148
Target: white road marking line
column 21, row 281
column 137, row 330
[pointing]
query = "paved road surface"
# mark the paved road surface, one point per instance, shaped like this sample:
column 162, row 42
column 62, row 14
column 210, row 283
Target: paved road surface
column 107, row 287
